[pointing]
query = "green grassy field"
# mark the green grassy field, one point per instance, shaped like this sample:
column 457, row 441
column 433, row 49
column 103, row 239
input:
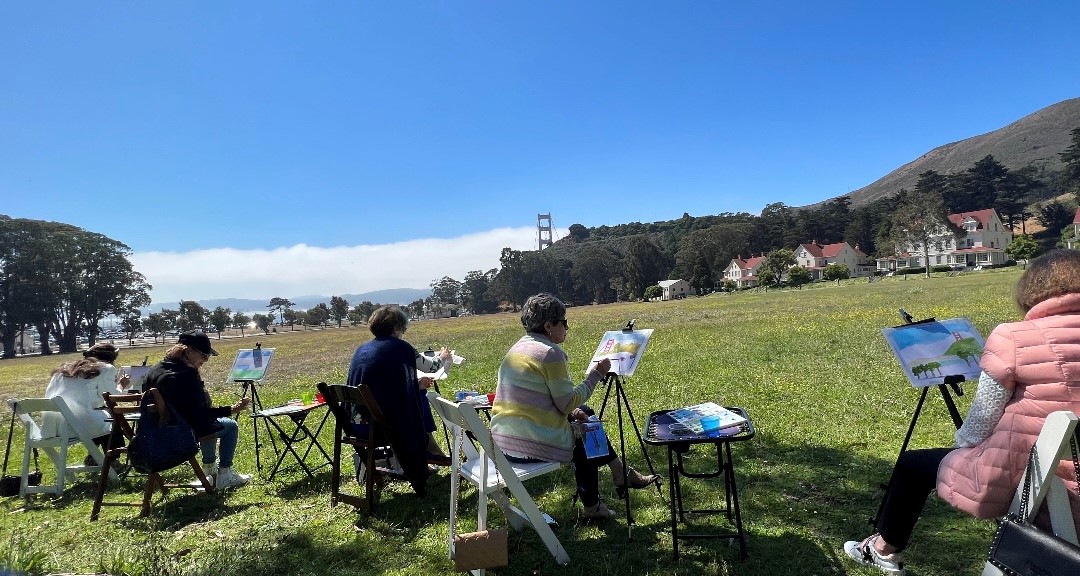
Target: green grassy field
column 810, row 366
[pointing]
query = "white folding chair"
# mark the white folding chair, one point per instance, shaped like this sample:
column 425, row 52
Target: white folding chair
column 485, row 466
column 53, row 439
column 1051, row 447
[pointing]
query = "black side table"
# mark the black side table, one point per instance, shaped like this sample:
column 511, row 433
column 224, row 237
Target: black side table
column 659, row 432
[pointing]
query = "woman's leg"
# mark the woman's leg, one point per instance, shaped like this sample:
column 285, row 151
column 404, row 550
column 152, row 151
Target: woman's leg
column 228, row 436
column 586, row 473
column 912, row 481
column 208, row 446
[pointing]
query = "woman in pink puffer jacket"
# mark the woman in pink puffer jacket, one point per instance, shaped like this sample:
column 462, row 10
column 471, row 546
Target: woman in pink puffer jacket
column 1029, row 369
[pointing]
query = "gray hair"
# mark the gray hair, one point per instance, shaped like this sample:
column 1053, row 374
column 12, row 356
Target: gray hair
column 540, row 309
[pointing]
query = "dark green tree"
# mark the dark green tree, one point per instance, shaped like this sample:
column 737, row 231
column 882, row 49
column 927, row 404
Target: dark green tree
column 836, row 272
column 241, row 321
column 1023, row 247
column 219, row 318
column 1055, row 215
column 776, row 264
column 476, row 292
column 339, row 309
column 592, row 269
column 644, row 264
column 798, row 276
column 263, row 321
column 280, row 305
column 156, row 324
column 1071, row 158
column 921, row 223
column 192, row 316
column 318, row 315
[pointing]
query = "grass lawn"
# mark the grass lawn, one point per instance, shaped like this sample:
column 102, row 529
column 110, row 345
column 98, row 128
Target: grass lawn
column 810, row 366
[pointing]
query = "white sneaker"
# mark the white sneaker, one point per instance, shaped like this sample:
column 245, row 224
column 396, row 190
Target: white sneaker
column 209, row 470
column 227, row 478
column 863, row 552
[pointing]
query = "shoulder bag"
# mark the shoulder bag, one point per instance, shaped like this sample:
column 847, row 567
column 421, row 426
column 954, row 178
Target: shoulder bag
column 1022, row 549
column 159, row 445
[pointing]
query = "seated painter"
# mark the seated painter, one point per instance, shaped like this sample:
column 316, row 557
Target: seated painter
column 387, row 365
column 536, row 402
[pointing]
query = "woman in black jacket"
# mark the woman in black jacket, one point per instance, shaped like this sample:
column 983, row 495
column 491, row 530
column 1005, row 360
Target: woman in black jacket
column 177, row 379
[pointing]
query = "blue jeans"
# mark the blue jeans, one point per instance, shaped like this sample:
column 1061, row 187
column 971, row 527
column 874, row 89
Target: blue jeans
column 228, row 435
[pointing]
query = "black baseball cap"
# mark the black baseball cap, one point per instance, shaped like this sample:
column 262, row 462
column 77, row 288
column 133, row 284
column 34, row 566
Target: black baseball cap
column 198, row 340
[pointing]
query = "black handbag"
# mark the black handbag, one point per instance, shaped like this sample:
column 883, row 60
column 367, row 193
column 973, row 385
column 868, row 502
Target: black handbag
column 1022, row 549
column 10, row 484
column 160, row 445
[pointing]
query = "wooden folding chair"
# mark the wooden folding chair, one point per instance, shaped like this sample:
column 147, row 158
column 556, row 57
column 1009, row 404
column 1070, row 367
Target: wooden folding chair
column 1051, row 447
column 485, row 466
column 372, row 443
column 51, row 427
column 120, row 407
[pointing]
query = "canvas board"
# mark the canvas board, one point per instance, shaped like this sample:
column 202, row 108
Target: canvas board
column 250, row 364
column 624, row 348
column 930, row 351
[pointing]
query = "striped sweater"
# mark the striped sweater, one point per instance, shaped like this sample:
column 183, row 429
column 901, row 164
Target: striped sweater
column 532, row 399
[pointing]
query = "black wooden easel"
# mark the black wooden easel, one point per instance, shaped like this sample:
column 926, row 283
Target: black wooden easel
column 614, row 384
column 953, row 382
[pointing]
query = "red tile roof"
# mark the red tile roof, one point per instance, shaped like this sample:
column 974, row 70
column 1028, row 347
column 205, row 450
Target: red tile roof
column 980, row 216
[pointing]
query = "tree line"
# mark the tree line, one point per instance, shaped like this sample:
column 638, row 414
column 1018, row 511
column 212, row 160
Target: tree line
column 63, row 280
column 612, row 263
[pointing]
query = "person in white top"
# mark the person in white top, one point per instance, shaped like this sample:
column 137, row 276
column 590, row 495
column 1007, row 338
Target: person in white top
column 80, row 384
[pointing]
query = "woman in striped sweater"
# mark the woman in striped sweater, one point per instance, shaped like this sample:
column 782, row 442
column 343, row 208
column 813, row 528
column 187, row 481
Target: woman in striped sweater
column 535, row 401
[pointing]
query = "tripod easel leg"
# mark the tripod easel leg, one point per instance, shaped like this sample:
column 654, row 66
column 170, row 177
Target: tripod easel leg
column 614, row 382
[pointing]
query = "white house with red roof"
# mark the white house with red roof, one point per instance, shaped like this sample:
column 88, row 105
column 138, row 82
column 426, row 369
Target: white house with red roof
column 1075, row 240
column 982, row 242
column 815, row 257
column 744, row 273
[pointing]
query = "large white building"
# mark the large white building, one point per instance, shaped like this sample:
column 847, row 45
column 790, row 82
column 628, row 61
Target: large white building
column 982, row 242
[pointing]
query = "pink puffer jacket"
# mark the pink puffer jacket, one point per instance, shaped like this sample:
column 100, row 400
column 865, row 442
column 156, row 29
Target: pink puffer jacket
column 1038, row 359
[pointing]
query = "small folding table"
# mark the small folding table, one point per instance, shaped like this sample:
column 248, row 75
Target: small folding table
column 663, row 430
column 296, row 414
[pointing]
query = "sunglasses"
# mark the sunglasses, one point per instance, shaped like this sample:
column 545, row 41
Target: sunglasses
column 564, row 323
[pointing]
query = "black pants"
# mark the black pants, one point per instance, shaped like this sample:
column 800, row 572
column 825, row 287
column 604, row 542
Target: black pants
column 113, row 439
column 587, row 472
column 912, row 481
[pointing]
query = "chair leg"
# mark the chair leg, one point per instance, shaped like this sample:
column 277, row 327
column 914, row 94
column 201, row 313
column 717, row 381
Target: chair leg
column 207, row 486
column 335, row 473
column 369, row 481
column 103, row 482
column 148, row 493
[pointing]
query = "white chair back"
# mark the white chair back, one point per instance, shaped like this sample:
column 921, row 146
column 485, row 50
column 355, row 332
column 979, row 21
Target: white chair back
column 484, row 465
column 58, row 434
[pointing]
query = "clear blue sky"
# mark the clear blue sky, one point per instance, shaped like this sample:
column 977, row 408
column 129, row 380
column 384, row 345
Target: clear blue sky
column 249, row 129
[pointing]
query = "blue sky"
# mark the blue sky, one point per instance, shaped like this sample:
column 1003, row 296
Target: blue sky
column 341, row 147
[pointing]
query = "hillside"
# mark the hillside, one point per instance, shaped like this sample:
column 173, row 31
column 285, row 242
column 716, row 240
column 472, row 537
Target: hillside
column 1034, row 140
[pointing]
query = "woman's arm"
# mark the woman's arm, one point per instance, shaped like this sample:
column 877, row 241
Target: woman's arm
column 986, row 409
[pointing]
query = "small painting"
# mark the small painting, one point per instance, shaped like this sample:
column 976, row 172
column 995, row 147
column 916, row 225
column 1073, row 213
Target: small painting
column 930, row 351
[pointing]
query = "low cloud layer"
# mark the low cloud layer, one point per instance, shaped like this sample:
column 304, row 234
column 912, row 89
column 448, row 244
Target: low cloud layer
column 304, row 270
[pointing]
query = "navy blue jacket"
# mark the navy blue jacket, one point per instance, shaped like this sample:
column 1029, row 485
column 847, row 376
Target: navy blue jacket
column 388, row 367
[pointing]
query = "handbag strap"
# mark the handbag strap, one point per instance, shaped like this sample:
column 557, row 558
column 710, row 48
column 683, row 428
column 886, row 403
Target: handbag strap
column 11, row 432
column 1030, row 470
